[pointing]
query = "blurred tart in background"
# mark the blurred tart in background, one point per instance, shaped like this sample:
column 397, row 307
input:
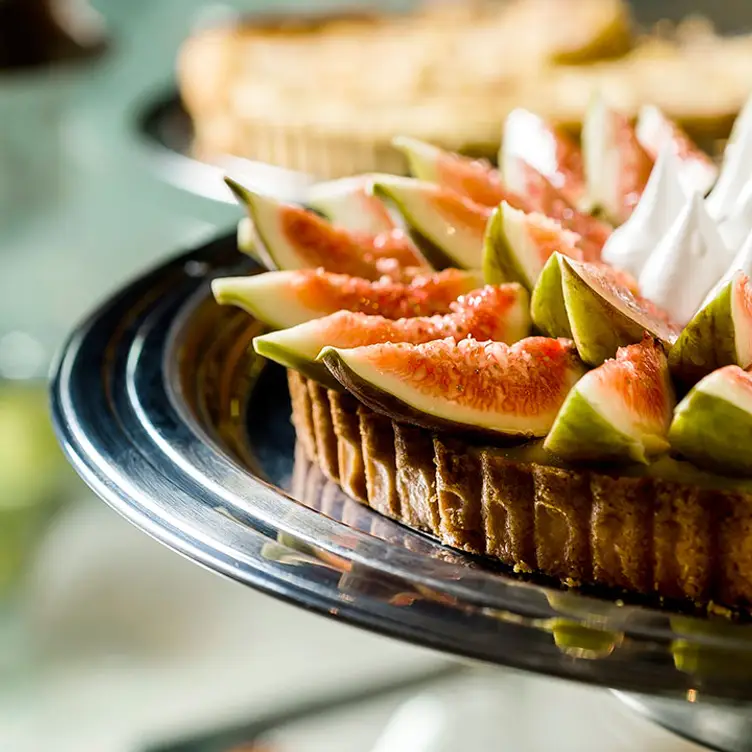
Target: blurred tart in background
column 327, row 94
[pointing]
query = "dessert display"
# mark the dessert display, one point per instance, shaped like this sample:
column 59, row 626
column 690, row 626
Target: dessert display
column 328, row 93
column 544, row 363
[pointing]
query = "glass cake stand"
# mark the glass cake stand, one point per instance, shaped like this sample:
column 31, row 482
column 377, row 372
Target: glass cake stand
column 162, row 408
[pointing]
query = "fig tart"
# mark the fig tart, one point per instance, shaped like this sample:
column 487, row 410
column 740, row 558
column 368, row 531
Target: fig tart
column 544, row 363
column 326, row 94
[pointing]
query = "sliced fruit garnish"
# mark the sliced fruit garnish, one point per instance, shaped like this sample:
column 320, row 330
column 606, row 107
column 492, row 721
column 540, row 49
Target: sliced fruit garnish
column 471, row 386
column 550, row 150
column 448, row 227
column 246, row 238
column 545, row 198
column 475, row 179
column 720, row 333
column 499, row 314
column 712, row 425
column 655, row 132
column 686, row 263
column 616, row 164
column 621, row 411
column 592, row 303
column 631, row 245
column 284, row 299
column 291, row 237
column 349, row 203
column 517, row 245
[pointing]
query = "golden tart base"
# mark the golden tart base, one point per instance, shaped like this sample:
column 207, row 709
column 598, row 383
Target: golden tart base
column 644, row 535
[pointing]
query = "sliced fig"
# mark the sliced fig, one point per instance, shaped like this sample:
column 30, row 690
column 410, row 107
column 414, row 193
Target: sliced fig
column 602, row 313
column 529, row 139
column 475, row 179
column 544, row 197
column 349, row 203
column 548, row 310
column 470, row 386
column 290, row 237
column 499, row 314
column 449, row 228
column 656, row 132
column 712, row 425
column 284, row 299
column 621, row 411
column 616, row 164
column 720, row 334
column 517, row 245
column 246, row 239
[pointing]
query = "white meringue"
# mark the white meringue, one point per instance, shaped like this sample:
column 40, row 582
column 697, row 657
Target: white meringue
column 736, row 168
column 686, row 264
column 630, row 245
column 742, row 262
column 738, row 224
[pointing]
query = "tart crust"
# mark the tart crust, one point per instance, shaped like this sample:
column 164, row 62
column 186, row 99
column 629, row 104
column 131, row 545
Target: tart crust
column 639, row 534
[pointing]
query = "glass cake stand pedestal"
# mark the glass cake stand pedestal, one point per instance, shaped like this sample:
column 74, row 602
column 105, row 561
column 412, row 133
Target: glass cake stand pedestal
column 162, row 409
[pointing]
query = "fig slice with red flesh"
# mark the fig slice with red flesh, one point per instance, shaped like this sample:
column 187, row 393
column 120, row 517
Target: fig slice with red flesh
column 290, row 237
column 349, row 204
column 712, row 425
column 591, row 303
column 616, row 164
column 720, row 333
column 471, row 387
column 619, row 412
column 475, row 179
column 288, row 298
column 518, row 244
column 497, row 313
column 544, row 197
column 655, row 132
column 448, row 227
column 529, row 139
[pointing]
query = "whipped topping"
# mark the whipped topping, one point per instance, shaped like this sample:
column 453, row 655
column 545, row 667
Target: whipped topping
column 686, row 264
column 736, row 168
column 738, row 224
column 742, row 262
column 630, row 245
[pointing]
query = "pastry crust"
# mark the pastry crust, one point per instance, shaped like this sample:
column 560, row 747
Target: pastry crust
column 639, row 534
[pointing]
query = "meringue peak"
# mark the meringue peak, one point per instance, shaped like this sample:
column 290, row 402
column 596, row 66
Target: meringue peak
column 629, row 247
column 736, row 167
column 686, row 264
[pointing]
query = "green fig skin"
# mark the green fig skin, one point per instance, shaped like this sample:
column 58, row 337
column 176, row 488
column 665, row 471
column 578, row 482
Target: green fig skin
column 580, row 433
column 439, row 258
column 706, row 343
column 598, row 329
column 311, row 368
column 713, row 433
column 547, row 307
column 498, row 258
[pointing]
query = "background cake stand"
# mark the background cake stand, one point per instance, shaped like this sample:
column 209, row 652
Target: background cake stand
column 165, row 413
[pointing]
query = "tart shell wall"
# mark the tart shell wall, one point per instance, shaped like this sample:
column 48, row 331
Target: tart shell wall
column 640, row 534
